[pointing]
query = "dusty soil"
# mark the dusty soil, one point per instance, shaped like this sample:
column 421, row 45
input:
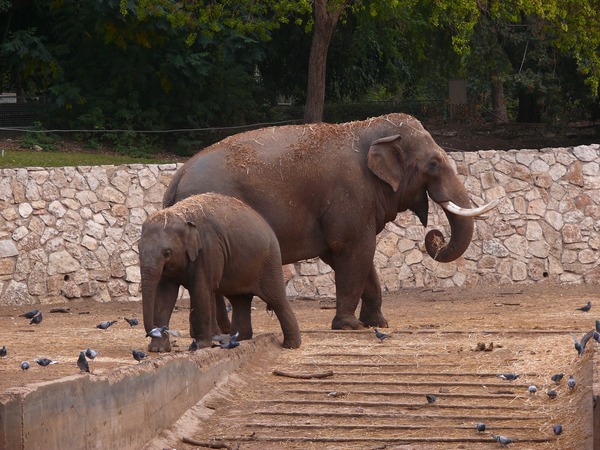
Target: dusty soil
column 433, row 349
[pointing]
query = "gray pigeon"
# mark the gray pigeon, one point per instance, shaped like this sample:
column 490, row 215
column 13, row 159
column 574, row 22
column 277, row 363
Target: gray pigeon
column 557, row 429
column 580, row 346
column 585, row 308
column 30, row 314
column 82, row 363
column 380, row 335
column 508, row 376
column 104, row 325
column 139, row 355
column 3, row 351
column 571, row 382
column 91, row 354
column 157, row 332
column 480, row 427
column 557, row 377
column 45, row 362
column 132, row 322
column 431, row 398
column 552, row 394
column 502, row 440
column 25, row 365
column 532, row 389
column 37, row 319
column 193, row 346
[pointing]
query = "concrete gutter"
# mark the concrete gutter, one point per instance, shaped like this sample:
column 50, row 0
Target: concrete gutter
column 123, row 409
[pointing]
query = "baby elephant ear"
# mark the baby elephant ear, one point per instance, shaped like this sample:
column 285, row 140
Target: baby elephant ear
column 193, row 244
column 383, row 159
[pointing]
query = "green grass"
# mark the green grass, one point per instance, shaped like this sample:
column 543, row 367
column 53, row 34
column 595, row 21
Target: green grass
column 23, row 158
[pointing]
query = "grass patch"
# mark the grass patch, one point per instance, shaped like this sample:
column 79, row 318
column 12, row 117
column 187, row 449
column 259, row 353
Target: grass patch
column 25, row 158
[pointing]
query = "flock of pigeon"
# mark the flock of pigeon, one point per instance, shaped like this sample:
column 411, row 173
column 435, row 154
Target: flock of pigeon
column 35, row 318
column 580, row 346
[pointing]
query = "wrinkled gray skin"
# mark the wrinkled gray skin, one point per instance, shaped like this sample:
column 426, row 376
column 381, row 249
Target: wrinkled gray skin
column 211, row 244
column 328, row 190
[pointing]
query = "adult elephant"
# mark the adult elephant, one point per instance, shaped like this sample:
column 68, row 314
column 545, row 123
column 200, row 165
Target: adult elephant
column 328, row 190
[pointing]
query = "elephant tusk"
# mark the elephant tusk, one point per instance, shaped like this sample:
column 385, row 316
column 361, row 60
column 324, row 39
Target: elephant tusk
column 469, row 212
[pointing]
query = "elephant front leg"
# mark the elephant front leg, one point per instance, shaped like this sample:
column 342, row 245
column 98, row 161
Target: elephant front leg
column 163, row 308
column 241, row 315
column 370, row 311
column 223, row 322
column 202, row 316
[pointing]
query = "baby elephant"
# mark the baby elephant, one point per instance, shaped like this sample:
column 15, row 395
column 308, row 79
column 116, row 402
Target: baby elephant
column 214, row 246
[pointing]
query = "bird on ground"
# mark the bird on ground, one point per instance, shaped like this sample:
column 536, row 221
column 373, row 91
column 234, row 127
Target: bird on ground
column 480, row 427
column 157, row 332
column 571, row 382
column 557, row 377
column 132, row 322
column 3, row 351
column 557, row 429
column 532, row 389
column 37, row 319
column 82, row 363
column 380, row 335
column 91, row 354
column 225, row 341
column 598, row 326
column 508, row 376
column 596, row 336
column 585, row 308
column 105, row 324
column 431, row 398
column 502, row 440
column 193, row 346
column 45, row 362
column 25, row 365
column 552, row 394
column 580, row 345
column 138, row 355
column 30, row 314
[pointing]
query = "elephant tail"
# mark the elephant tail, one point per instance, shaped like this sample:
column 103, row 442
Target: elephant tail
column 171, row 192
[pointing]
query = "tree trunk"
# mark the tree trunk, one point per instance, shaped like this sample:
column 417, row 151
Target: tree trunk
column 498, row 101
column 325, row 22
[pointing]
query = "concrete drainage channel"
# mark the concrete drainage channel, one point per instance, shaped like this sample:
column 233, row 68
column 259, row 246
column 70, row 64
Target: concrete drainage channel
column 123, row 409
column 375, row 397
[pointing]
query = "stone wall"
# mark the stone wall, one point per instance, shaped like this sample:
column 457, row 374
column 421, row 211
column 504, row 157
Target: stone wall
column 69, row 233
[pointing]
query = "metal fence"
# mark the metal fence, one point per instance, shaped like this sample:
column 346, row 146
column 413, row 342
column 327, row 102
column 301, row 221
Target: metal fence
column 18, row 111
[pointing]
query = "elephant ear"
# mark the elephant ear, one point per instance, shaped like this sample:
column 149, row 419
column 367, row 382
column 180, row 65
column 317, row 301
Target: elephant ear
column 384, row 160
column 193, row 243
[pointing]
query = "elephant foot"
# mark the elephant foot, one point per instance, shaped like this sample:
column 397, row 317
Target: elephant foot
column 160, row 345
column 292, row 342
column 374, row 320
column 346, row 323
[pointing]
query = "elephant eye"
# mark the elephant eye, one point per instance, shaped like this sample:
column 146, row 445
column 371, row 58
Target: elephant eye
column 167, row 253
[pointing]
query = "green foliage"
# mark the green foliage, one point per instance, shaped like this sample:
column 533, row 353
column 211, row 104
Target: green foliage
column 37, row 137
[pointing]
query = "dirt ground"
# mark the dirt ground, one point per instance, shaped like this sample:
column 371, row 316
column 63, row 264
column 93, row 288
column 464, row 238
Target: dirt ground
column 528, row 325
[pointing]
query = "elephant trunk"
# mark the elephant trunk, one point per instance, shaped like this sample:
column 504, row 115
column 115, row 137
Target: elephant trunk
column 461, row 233
column 149, row 281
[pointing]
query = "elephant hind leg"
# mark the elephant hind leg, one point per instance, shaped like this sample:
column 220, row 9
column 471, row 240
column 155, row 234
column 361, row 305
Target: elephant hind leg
column 370, row 311
column 241, row 315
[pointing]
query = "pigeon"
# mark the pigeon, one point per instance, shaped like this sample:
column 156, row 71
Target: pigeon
column 82, row 363
column 571, row 382
column 3, row 351
column 30, row 314
column 193, row 346
column 431, row 398
column 104, row 325
column 157, row 332
column 225, row 341
column 508, row 376
column 552, row 394
column 580, row 346
column 502, row 440
column 91, row 354
column 381, row 336
column 585, row 308
column 596, row 336
column 480, row 427
column 139, row 355
column 557, row 429
column 228, row 345
column 37, row 319
column 557, row 377
column 45, row 362
column 132, row 322
column 598, row 326
column 24, row 365
column 532, row 389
